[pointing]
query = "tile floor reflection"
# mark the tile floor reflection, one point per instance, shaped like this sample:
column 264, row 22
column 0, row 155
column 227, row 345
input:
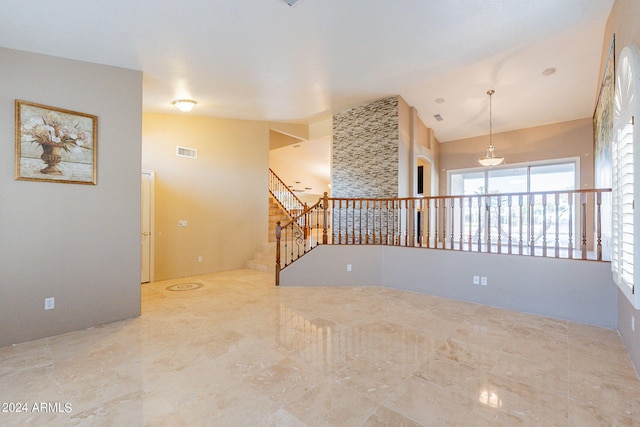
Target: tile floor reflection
column 240, row 352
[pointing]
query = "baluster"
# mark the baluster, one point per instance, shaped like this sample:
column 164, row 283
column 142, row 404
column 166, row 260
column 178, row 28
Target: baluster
column 428, row 222
column 453, row 223
column 488, row 203
column 420, row 230
column 583, row 211
column 532, row 244
column 460, row 243
column 544, row 225
column 435, row 227
column 340, row 222
column 470, row 224
column 570, row 197
column 520, row 224
column 442, row 215
column 278, row 266
column 407, row 223
column 416, row 229
column 325, row 213
column 366, row 220
column 392, row 235
column 379, row 203
column 557, row 225
column 359, row 221
column 293, row 241
column 509, row 202
column 386, row 235
column 499, row 200
column 599, row 225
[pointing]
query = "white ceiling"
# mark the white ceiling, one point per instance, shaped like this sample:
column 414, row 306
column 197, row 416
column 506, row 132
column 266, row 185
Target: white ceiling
column 265, row 60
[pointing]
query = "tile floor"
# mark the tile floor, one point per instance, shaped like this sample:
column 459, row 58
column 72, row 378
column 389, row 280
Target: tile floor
column 240, row 352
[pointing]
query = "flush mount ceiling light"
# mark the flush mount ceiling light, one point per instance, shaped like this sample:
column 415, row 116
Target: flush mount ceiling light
column 291, row 2
column 490, row 159
column 184, row 105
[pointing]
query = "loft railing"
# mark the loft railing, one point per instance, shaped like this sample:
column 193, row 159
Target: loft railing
column 283, row 194
column 560, row 224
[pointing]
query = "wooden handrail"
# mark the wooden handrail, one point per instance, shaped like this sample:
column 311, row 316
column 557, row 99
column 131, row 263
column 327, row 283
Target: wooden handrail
column 466, row 196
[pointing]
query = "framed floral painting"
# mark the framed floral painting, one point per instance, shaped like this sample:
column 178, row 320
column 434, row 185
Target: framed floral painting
column 55, row 145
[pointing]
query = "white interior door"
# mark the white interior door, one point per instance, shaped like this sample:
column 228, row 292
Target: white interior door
column 145, row 221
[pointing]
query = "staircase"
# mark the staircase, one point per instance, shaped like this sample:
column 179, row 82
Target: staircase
column 265, row 260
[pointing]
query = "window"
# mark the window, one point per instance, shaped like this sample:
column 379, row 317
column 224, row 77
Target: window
column 515, row 178
column 625, row 163
column 521, row 218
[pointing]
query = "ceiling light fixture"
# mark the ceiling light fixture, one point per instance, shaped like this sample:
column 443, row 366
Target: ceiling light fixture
column 184, row 105
column 490, row 160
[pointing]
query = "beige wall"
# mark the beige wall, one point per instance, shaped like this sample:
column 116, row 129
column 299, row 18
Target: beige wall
column 426, row 149
column 623, row 22
column 222, row 194
column 406, row 171
column 77, row 243
column 559, row 140
column 416, row 142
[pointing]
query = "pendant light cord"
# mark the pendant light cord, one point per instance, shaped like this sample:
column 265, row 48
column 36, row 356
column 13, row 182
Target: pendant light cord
column 490, row 93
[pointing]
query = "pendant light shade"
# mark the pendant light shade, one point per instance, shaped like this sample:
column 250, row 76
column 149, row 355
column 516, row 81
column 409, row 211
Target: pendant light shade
column 490, row 159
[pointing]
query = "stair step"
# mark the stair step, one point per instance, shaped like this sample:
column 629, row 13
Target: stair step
column 261, row 266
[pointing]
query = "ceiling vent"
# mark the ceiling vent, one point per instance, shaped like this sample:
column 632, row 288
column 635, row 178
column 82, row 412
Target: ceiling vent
column 191, row 153
column 291, row 2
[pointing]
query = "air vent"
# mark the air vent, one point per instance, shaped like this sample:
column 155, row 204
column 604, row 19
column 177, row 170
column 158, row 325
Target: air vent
column 438, row 117
column 191, row 153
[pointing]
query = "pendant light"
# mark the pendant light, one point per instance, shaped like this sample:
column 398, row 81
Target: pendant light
column 490, row 159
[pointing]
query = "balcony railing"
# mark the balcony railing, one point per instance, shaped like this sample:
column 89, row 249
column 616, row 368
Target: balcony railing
column 560, row 224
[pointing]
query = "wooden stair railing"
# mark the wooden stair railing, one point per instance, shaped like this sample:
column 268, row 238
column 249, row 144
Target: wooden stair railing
column 558, row 224
column 301, row 234
column 284, row 196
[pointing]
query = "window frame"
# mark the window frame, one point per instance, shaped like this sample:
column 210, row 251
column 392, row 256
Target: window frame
column 549, row 162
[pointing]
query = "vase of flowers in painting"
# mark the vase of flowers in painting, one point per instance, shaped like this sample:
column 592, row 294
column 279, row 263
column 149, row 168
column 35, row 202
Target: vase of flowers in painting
column 51, row 156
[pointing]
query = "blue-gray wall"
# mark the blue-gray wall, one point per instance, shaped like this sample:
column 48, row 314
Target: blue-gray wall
column 77, row 243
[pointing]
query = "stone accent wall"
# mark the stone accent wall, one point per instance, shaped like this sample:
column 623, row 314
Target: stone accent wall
column 365, row 150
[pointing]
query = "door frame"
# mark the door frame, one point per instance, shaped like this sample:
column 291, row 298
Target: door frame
column 151, row 175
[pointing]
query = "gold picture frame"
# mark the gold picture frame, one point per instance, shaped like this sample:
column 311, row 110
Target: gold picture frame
column 55, row 145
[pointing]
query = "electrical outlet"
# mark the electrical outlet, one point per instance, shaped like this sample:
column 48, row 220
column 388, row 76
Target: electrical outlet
column 483, row 281
column 199, row 258
column 49, row 303
column 476, row 280
column 348, row 267
column 183, row 223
